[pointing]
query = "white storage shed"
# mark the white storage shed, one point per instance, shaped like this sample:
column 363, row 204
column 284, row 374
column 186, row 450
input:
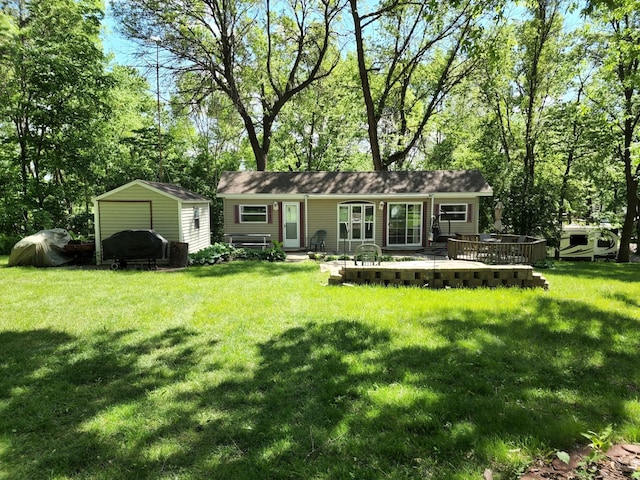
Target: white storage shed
column 177, row 214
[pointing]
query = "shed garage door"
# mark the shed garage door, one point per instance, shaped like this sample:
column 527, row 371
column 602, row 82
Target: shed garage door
column 116, row 216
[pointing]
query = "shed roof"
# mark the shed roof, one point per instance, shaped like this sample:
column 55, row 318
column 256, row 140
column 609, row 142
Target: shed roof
column 177, row 191
column 169, row 189
column 353, row 183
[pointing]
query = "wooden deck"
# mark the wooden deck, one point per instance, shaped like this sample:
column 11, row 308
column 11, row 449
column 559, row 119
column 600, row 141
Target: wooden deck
column 438, row 274
column 498, row 249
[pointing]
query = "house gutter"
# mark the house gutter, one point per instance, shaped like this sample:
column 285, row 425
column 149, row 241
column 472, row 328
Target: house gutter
column 378, row 196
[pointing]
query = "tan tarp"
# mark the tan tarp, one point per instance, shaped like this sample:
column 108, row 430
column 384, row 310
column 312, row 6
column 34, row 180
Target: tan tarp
column 42, row 249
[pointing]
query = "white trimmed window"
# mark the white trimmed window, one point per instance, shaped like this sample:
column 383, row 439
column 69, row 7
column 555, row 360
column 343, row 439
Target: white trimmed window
column 454, row 212
column 196, row 217
column 253, row 214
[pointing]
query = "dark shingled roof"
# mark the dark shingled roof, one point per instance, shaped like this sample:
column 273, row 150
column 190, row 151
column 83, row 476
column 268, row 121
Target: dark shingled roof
column 353, row 183
column 176, row 191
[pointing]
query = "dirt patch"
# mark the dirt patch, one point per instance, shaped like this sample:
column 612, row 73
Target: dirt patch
column 619, row 463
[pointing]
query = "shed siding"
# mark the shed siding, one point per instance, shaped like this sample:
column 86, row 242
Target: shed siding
column 120, row 211
column 137, row 207
column 134, row 192
column 116, row 216
column 164, row 212
column 197, row 238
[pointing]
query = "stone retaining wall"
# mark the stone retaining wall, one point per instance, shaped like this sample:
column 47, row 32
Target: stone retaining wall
column 521, row 276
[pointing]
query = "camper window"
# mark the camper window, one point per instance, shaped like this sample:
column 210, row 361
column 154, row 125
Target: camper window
column 605, row 241
column 575, row 240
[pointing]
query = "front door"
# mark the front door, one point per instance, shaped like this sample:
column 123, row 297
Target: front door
column 291, row 225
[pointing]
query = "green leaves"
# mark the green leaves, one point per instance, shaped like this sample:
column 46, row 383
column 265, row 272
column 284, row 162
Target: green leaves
column 563, row 457
column 260, row 55
column 54, row 95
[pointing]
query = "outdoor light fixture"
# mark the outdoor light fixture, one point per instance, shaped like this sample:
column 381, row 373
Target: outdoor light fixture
column 275, row 206
column 381, row 206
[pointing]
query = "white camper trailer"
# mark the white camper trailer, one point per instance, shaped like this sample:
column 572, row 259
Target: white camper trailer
column 588, row 242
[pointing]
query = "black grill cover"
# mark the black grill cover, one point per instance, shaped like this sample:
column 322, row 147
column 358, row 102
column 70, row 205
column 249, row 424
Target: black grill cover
column 135, row 244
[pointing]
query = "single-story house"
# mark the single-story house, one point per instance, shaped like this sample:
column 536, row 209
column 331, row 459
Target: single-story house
column 394, row 210
column 170, row 210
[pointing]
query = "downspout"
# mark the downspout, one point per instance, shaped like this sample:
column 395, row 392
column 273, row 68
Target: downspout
column 433, row 206
column 306, row 221
column 96, row 228
column 180, row 229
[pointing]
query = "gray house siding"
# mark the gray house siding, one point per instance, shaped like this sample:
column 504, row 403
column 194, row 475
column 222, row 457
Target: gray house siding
column 322, row 214
column 233, row 224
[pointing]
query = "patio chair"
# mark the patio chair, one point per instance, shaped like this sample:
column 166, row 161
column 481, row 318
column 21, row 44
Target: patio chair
column 368, row 254
column 519, row 250
column 317, row 240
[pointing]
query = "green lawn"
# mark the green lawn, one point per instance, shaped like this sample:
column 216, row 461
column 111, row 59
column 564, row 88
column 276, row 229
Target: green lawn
column 261, row 371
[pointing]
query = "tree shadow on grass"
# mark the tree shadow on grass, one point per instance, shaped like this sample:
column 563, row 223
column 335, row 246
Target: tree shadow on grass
column 604, row 271
column 340, row 399
column 627, row 299
column 568, row 369
column 253, row 267
column 53, row 385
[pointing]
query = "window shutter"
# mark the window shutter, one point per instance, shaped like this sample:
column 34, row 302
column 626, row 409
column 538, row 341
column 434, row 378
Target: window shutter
column 469, row 213
column 269, row 213
column 236, row 213
column 425, row 224
column 384, row 225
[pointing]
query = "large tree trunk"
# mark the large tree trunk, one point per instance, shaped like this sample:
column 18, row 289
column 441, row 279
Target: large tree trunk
column 260, row 148
column 259, row 153
column 563, row 195
column 372, row 121
column 631, row 178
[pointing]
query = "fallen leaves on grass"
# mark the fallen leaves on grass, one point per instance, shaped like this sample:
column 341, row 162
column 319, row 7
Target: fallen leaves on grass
column 619, row 463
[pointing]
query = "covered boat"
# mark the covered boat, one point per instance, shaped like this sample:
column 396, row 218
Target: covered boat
column 42, row 249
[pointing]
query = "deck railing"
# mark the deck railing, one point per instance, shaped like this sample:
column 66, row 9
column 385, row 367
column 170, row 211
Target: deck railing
column 498, row 249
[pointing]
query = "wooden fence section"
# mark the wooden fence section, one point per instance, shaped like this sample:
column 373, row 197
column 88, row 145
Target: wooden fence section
column 498, row 249
column 443, row 276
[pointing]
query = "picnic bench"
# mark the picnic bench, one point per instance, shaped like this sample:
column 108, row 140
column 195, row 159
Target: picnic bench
column 251, row 240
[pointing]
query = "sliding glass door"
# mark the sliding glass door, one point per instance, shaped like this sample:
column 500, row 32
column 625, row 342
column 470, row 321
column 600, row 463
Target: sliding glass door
column 405, row 224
